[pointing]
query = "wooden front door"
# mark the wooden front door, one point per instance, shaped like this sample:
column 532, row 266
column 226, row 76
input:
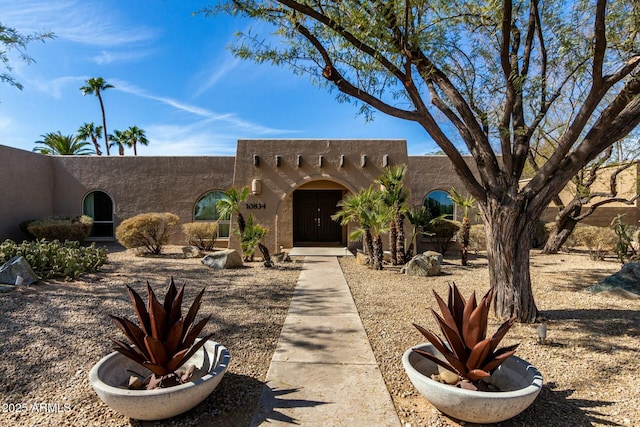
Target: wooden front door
column 312, row 223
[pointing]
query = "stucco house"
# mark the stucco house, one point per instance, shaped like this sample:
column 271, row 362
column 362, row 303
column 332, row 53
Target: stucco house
column 295, row 185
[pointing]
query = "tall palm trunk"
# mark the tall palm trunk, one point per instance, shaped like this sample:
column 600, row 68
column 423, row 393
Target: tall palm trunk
column 393, row 243
column 104, row 123
column 378, row 253
column 368, row 244
column 465, row 231
column 400, row 251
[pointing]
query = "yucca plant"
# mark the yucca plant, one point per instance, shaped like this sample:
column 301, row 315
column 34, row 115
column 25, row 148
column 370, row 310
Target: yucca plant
column 468, row 352
column 165, row 339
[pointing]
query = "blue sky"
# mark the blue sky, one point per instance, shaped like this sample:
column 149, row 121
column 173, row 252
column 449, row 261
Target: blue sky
column 173, row 77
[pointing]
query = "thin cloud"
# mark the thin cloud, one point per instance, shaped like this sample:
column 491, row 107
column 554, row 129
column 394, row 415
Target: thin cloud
column 214, row 73
column 238, row 124
column 108, row 57
column 83, row 22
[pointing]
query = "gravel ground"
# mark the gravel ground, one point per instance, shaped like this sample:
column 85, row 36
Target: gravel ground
column 591, row 367
column 53, row 333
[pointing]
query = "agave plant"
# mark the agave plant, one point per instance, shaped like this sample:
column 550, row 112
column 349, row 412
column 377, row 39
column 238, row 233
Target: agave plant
column 165, row 339
column 468, row 352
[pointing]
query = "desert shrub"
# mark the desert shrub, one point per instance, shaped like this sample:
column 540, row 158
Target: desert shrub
column 441, row 232
column 147, row 232
column 598, row 240
column 202, row 235
column 624, row 239
column 72, row 228
column 477, row 238
column 54, row 259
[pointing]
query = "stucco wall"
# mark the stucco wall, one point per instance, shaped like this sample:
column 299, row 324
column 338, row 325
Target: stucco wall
column 141, row 184
column 26, row 189
column 341, row 164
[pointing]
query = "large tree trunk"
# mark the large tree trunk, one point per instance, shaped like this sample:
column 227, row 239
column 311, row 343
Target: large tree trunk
column 562, row 229
column 510, row 231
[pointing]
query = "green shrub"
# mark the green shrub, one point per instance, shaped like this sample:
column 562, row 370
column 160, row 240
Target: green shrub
column 250, row 239
column 598, row 240
column 54, row 259
column 441, row 232
column 477, row 238
column 146, row 232
column 72, row 228
column 202, row 235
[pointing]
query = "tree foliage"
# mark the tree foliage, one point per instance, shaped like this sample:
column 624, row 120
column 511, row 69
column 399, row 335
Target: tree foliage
column 57, row 144
column 479, row 77
column 11, row 41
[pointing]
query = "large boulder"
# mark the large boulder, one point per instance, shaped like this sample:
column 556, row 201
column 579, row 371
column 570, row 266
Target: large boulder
column 228, row 258
column 423, row 265
column 17, row 266
column 625, row 282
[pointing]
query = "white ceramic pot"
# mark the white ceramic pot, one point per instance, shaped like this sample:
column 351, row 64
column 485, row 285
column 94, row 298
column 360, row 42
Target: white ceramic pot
column 110, row 376
column 519, row 381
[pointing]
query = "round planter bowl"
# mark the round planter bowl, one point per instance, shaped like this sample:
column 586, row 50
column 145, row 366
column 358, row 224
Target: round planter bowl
column 519, row 381
column 109, row 378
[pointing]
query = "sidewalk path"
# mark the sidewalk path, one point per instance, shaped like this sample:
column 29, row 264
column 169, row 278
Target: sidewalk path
column 323, row 371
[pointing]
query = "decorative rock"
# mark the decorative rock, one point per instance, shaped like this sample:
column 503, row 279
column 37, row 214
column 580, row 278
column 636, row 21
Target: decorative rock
column 192, row 252
column 281, row 257
column 228, row 258
column 625, row 281
column 5, row 289
column 437, row 255
column 422, row 265
column 362, row 258
column 17, row 266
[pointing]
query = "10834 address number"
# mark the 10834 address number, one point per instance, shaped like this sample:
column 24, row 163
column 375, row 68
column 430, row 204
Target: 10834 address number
column 256, row 206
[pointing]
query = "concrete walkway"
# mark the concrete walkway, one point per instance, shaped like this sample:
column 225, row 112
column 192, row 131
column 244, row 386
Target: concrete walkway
column 323, row 372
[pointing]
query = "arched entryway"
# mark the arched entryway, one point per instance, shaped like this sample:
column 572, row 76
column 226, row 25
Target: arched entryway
column 99, row 206
column 312, row 223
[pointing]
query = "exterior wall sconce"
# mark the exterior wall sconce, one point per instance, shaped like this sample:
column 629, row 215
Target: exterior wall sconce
column 277, row 161
column 363, row 161
column 256, row 160
column 385, row 160
column 342, row 160
column 319, row 161
column 256, row 187
column 299, row 160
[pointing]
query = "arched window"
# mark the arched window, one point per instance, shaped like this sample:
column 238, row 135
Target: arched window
column 99, row 206
column 438, row 203
column 205, row 210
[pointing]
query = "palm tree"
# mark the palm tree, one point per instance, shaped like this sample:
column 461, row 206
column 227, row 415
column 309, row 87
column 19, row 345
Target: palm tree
column 95, row 86
column 356, row 208
column 380, row 219
column 395, row 195
column 466, row 203
column 57, row 144
column 231, row 204
column 118, row 138
column 134, row 136
column 418, row 218
column 92, row 132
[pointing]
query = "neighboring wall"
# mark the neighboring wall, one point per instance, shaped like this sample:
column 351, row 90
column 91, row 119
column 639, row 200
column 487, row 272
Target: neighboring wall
column 140, row 184
column 27, row 188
